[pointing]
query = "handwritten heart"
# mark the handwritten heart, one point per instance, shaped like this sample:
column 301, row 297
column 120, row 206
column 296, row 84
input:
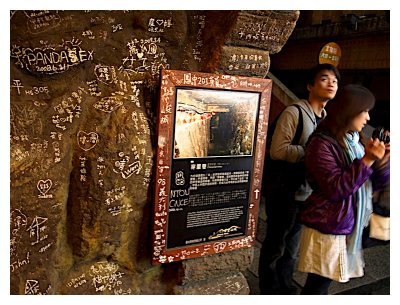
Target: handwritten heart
column 87, row 141
column 140, row 55
column 44, row 186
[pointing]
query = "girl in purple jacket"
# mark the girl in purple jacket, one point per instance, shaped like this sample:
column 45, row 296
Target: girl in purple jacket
column 343, row 174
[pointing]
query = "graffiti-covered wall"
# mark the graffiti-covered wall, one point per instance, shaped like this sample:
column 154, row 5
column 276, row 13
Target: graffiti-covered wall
column 83, row 107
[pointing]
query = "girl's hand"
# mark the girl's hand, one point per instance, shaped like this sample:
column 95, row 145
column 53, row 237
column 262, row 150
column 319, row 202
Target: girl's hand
column 374, row 150
column 386, row 158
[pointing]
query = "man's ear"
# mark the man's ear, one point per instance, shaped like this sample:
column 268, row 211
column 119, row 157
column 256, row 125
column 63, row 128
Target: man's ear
column 309, row 87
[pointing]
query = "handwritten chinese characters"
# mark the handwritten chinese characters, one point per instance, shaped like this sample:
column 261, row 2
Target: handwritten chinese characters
column 41, row 21
column 244, row 61
column 87, row 141
column 158, row 25
column 145, row 55
column 68, row 109
column 125, row 167
column 268, row 32
column 199, row 22
column 102, row 277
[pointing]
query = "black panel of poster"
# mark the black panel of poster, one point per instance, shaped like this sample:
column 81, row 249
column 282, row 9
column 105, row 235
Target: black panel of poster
column 212, row 162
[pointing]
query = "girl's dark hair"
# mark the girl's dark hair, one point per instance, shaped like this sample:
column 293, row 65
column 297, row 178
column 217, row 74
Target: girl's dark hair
column 347, row 104
column 315, row 70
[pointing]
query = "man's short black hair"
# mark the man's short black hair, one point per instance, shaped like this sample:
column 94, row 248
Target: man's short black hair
column 315, row 70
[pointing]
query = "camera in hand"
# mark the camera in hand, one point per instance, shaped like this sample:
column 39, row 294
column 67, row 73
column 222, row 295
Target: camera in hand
column 379, row 133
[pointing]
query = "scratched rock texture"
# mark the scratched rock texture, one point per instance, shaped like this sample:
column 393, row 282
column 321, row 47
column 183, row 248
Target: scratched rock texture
column 235, row 283
column 83, row 107
column 206, row 268
column 267, row 30
column 244, row 61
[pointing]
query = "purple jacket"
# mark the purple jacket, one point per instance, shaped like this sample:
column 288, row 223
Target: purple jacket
column 330, row 208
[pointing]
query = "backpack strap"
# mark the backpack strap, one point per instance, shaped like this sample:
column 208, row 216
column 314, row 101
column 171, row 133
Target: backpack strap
column 297, row 135
column 299, row 128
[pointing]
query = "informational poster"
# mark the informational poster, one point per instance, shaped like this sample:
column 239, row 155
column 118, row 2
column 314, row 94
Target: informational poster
column 211, row 142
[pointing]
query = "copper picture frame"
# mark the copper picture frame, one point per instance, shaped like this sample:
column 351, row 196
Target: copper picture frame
column 211, row 143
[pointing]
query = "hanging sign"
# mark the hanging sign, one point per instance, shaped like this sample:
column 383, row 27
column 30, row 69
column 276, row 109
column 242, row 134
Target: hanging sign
column 330, row 54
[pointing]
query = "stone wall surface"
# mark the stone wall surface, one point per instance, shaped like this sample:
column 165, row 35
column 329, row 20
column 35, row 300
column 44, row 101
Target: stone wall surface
column 83, row 108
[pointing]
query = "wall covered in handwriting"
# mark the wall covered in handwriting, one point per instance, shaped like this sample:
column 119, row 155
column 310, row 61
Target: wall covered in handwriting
column 84, row 88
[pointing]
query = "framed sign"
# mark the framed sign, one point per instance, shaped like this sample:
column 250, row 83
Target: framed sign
column 211, row 142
